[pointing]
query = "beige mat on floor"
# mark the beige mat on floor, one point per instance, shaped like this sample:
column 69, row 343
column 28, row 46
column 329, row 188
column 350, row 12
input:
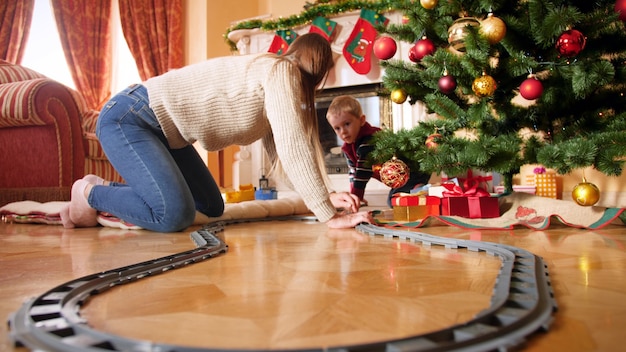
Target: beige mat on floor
column 523, row 209
column 517, row 209
column 48, row 213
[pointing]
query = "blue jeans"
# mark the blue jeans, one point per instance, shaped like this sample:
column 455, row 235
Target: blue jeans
column 164, row 187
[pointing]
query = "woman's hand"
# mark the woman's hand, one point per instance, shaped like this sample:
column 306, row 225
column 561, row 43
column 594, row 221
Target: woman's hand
column 343, row 221
column 350, row 203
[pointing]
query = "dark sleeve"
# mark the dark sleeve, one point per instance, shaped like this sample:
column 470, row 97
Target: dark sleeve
column 361, row 171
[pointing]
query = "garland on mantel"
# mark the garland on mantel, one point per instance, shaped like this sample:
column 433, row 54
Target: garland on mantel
column 311, row 11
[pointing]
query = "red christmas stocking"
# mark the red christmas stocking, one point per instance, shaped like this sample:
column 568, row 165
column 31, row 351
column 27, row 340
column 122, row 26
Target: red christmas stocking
column 282, row 39
column 323, row 27
column 358, row 48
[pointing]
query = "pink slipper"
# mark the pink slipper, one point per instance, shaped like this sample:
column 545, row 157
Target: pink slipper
column 65, row 217
column 81, row 213
column 94, row 180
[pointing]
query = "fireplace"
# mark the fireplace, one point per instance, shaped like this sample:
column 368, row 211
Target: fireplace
column 376, row 107
column 251, row 162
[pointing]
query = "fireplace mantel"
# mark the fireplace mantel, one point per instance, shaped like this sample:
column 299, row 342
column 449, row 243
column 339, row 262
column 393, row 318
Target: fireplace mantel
column 251, row 41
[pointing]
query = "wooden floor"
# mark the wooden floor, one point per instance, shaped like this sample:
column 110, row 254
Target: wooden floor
column 293, row 284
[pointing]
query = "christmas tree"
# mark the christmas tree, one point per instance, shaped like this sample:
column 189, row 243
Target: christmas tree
column 511, row 83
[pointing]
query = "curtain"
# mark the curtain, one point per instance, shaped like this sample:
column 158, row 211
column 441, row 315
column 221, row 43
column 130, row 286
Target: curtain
column 15, row 18
column 153, row 31
column 85, row 28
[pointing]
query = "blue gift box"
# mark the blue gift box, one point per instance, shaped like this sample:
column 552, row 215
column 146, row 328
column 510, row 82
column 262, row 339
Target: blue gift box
column 266, row 194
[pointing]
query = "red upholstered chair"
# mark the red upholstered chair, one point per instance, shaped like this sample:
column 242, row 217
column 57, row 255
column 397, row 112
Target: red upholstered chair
column 47, row 138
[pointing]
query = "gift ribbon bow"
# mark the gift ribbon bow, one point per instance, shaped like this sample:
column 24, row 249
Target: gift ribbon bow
column 421, row 197
column 453, row 190
column 477, row 179
column 471, row 179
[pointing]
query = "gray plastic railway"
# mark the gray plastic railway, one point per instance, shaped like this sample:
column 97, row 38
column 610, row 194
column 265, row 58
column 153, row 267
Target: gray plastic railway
column 522, row 302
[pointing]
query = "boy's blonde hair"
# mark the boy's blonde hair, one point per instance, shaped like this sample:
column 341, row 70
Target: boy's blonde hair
column 344, row 103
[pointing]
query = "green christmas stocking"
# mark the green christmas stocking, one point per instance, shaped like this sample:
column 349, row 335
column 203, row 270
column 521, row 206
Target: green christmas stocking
column 358, row 48
column 282, row 39
column 323, row 27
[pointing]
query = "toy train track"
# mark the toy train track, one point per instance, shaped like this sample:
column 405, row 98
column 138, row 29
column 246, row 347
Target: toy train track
column 522, row 302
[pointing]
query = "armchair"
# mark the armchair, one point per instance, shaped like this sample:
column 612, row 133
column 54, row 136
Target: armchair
column 47, row 138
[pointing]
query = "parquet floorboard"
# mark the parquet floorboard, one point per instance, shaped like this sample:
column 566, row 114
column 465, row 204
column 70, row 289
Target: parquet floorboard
column 294, row 284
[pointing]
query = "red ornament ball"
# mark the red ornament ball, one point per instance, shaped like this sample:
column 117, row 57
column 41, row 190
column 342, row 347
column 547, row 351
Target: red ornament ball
column 447, row 84
column 620, row 7
column 394, row 173
column 385, row 48
column 571, row 43
column 531, row 88
column 422, row 47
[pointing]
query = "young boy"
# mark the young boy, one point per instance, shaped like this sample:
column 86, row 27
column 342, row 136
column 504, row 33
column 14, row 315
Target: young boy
column 345, row 116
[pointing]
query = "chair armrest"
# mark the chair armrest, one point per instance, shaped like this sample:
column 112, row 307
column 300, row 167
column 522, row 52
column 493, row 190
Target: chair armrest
column 35, row 103
column 41, row 135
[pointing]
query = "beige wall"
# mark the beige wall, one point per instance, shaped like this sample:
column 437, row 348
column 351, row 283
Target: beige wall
column 281, row 8
column 207, row 21
column 205, row 24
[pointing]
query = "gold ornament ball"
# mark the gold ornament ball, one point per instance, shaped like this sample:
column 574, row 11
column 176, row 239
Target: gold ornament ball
column 484, row 86
column 458, row 31
column 493, row 29
column 429, row 4
column 398, row 96
column 586, row 193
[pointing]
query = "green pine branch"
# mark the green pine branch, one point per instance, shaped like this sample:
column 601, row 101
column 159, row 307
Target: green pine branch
column 578, row 121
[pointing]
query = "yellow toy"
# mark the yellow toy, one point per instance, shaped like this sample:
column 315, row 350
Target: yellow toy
column 246, row 192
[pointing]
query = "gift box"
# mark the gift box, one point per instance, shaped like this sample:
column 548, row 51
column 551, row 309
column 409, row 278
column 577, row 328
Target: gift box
column 437, row 190
column 545, row 182
column 482, row 178
column 413, row 207
column 423, row 189
column 265, row 194
column 473, row 202
column 471, row 207
column 517, row 188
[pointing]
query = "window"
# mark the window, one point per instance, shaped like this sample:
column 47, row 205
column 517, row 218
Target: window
column 44, row 53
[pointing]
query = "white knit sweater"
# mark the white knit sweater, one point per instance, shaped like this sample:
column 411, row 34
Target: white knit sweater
column 236, row 100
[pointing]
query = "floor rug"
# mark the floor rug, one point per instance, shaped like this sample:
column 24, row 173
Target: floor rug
column 31, row 212
column 516, row 209
column 523, row 209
